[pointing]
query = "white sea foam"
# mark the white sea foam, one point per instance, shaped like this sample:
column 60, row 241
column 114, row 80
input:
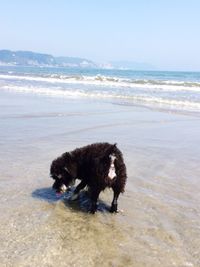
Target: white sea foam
column 100, row 80
column 149, row 100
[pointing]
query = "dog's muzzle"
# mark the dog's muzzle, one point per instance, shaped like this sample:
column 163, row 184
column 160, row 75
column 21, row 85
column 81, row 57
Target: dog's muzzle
column 63, row 188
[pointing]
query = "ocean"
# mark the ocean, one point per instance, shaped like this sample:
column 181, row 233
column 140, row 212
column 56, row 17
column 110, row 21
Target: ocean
column 176, row 91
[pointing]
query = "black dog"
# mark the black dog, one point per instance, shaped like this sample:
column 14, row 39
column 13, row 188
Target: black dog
column 98, row 166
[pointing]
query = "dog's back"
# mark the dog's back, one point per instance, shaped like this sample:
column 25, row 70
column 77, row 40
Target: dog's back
column 94, row 163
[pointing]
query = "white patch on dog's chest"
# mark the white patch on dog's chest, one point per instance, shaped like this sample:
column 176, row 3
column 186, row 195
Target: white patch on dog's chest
column 111, row 172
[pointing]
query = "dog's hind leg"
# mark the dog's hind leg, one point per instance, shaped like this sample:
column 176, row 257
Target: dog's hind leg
column 94, row 197
column 77, row 190
column 114, row 202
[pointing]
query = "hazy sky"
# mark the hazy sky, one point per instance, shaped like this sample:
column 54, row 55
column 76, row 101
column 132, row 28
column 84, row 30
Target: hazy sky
column 164, row 33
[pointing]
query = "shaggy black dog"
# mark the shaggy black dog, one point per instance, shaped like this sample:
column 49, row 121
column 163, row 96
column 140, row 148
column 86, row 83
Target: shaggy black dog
column 98, row 166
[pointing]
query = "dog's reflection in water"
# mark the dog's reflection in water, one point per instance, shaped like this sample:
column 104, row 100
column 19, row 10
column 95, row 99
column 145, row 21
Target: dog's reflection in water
column 83, row 202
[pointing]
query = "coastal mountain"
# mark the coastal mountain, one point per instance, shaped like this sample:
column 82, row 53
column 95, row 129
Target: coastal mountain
column 28, row 58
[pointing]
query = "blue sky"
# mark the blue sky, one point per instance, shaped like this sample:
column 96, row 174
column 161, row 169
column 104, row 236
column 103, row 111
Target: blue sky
column 164, row 33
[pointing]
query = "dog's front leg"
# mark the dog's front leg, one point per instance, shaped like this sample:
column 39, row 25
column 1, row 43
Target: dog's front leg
column 114, row 202
column 77, row 190
column 94, row 197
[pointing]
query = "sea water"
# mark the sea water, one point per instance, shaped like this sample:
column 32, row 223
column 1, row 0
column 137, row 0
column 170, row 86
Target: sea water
column 178, row 91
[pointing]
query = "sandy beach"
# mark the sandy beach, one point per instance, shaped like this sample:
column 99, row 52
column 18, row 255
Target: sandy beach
column 159, row 219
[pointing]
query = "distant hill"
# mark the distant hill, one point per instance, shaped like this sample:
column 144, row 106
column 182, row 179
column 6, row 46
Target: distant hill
column 28, row 58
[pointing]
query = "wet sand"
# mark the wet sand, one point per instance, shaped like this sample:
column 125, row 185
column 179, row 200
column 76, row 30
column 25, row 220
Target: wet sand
column 159, row 221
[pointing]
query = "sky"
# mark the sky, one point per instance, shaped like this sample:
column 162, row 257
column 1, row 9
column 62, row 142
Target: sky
column 163, row 33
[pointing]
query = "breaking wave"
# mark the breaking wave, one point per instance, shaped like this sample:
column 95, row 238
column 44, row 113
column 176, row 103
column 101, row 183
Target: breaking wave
column 147, row 100
column 110, row 81
column 173, row 94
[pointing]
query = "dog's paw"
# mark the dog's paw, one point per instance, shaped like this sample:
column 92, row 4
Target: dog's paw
column 92, row 211
column 114, row 209
column 93, row 208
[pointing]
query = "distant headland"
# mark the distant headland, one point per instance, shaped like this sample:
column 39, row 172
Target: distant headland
column 29, row 58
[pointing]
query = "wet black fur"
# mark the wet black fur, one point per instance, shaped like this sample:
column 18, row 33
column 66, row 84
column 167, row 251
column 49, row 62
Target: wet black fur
column 91, row 164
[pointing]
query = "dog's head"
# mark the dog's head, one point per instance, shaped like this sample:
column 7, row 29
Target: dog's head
column 64, row 171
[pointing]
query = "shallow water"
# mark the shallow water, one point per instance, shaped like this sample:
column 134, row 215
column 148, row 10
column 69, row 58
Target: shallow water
column 158, row 223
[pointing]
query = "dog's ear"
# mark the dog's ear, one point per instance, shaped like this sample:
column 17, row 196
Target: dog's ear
column 55, row 166
column 71, row 166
